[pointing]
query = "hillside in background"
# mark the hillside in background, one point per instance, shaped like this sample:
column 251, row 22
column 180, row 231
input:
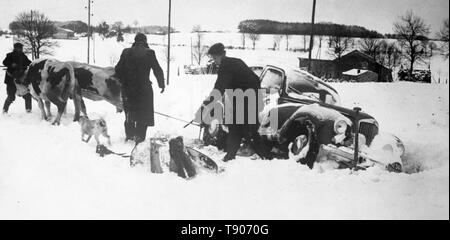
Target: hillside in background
column 261, row 26
column 82, row 27
column 153, row 29
column 76, row 26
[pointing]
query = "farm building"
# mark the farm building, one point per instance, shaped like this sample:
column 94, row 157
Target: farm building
column 63, row 33
column 353, row 60
column 360, row 75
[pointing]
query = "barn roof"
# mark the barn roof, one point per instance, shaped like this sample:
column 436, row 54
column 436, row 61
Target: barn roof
column 64, row 30
column 359, row 54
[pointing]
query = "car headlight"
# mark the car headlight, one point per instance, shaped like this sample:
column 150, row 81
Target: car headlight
column 340, row 126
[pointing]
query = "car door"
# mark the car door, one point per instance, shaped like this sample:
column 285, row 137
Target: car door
column 272, row 84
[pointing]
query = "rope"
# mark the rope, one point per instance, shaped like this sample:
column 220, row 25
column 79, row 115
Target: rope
column 178, row 119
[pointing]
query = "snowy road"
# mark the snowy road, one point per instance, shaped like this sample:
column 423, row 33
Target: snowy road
column 46, row 172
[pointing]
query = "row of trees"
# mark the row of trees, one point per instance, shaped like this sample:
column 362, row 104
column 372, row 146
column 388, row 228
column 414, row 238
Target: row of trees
column 76, row 26
column 325, row 29
column 412, row 43
column 35, row 30
column 117, row 29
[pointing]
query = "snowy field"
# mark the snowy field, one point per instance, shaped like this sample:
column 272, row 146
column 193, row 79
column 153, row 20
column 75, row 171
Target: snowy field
column 46, row 172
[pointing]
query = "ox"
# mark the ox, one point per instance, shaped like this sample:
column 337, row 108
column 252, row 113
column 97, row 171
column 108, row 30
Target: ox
column 97, row 83
column 53, row 82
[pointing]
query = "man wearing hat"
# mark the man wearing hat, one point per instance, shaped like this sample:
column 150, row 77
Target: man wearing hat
column 133, row 70
column 234, row 74
column 16, row 63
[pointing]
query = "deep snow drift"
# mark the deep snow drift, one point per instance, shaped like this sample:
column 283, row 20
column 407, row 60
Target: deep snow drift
column 47, row 172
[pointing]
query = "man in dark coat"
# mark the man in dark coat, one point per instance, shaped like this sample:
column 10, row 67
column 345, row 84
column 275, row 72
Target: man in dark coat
column 234, row 74
column 133, row 70
column 16, row 63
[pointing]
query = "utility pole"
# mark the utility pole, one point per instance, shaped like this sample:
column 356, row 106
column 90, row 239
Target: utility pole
column 311, row 40
column 89, row 30
column 168, row 41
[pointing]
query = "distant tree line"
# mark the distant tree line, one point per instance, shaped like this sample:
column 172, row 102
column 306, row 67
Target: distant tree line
column 397, row 36
column 76, row 26
column 261, row 26
column 105, row 28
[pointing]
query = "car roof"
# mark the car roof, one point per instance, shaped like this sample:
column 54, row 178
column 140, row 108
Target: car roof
column 300, row 78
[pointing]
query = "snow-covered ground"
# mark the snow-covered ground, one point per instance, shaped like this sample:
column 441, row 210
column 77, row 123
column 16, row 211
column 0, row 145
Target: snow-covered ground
column 47, row 172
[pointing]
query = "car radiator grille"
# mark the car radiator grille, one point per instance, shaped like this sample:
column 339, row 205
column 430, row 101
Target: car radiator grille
column 369, row 130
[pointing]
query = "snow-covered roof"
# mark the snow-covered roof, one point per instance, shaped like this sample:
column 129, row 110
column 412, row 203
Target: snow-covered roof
column 355, row 72
column 65, row 30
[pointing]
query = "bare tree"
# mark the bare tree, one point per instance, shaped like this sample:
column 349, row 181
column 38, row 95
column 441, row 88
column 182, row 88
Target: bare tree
column 117, row 26
column 339, row 45
column 443, row 36
column 320, row 46
column 276, row 41
column 253, row 34
column 34, row 30
column 199, row 50
column 165, row 50
column 371, row 46
column 165, row 53
column 254, row 37
column 287, row 36
column 243, row 37
column 412, row 29
column 390, row 55
column 305, row 41
column 119, row 35
column 103, row 29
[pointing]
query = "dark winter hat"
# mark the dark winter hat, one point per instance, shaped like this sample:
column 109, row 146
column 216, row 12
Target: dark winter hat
column 216, row 49
column 140, row 37
column 18, row 45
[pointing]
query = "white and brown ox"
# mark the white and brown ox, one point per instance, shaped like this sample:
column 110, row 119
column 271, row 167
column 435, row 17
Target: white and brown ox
column 97, row 83
column 54, row 82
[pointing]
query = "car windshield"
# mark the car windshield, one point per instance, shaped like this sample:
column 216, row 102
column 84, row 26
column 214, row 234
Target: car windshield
column 272, row 79
column 302, row 85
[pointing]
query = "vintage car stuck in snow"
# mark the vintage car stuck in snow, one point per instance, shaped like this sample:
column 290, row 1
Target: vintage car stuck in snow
column 314, row 127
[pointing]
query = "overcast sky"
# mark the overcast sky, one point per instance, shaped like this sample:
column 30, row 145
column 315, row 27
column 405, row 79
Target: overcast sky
column 226, row 14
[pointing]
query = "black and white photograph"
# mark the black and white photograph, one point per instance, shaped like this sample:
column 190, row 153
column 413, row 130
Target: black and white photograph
column 224, row 110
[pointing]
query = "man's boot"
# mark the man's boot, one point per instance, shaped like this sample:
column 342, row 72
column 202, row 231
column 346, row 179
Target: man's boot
column 130, row 130
column 140, row 133
column 6, row 105
column 258, row 145
column 234, row 140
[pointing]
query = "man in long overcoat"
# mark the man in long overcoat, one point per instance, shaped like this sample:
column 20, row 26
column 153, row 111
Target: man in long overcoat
column 133, row 69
